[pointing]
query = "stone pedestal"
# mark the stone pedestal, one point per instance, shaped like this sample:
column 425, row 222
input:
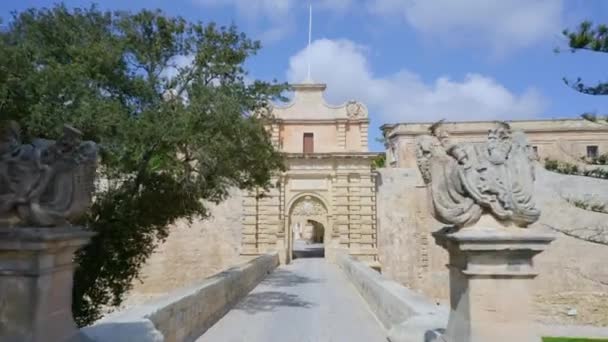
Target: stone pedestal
column 36, row 276
column 491, row 271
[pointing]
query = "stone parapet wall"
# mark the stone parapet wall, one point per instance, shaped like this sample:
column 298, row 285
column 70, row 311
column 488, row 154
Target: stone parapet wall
column 409, row 316
column 406, row 315
column 185, row 314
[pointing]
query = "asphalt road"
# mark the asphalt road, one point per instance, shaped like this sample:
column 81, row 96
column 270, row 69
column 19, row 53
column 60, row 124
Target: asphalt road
column 309, row 300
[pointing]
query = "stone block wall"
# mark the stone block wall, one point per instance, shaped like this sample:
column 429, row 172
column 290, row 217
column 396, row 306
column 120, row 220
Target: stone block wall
column 192, row 252
column 574, row 274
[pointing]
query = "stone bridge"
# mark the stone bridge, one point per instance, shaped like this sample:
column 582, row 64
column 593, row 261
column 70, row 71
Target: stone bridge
column 310, row 299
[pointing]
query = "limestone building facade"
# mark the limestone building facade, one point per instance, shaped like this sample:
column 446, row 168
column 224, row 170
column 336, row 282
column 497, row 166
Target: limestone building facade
column 563, row 139
column 328, row 191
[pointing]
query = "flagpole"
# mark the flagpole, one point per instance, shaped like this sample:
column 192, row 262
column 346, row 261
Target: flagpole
column 308, row 78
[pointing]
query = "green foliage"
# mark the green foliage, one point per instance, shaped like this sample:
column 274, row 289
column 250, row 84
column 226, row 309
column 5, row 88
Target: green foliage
column 602, row 159
column 379, row 161
column 591, row 206
column 572, row 169
column 588, row 37
column 172, row 132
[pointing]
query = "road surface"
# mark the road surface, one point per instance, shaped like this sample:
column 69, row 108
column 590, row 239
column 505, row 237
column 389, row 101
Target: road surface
column 309, row 300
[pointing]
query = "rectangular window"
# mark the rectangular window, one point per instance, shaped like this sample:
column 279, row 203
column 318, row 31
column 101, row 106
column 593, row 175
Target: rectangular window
column 309, row 144
column 592, row 151
column 535, row 148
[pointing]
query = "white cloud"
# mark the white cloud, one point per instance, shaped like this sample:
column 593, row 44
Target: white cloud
column 337, row 5
column 254, row 8
column 502, row 25
column 403, row 96
column 277, row 17
column 276, row 14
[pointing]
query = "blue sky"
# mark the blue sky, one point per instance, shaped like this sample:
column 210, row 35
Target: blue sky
column 413, row 60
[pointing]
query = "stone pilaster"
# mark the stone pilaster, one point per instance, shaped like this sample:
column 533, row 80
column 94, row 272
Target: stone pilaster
column 367, row 195
column 491, row 273
column 341, row 135
column 364, row 138
column 354, row 212
column 250, row 232
column 281, row 243
column 268, row 220
column 275, row 135
column 341, row 213
column 36, row 277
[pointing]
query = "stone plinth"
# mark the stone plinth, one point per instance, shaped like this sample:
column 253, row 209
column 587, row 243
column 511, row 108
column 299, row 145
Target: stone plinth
column 491, row 271
column 36, row 276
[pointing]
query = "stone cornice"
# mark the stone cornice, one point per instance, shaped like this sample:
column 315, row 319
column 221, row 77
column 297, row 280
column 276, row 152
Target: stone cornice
column 332, row 155
column 318, row 121
column 481, row 127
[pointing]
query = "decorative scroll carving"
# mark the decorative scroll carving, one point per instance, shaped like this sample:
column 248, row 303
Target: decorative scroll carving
column 469, row 180
column 264, row 111
column 46, row 183
column 356, row 110
column 308, row 207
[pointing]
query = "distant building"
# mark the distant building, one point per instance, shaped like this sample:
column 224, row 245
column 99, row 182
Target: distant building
column 562, row 139
column 328, row 191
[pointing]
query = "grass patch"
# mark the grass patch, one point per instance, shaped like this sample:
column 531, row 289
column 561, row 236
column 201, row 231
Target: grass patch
column 570, row 339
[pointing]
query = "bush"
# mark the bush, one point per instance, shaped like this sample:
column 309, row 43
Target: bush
column 572, row 169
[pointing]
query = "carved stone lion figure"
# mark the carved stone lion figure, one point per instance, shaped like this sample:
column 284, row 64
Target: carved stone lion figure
column 469, row 180
column 45, row 183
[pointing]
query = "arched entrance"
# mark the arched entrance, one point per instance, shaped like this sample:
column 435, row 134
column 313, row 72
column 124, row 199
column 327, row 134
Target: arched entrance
column 308, row 228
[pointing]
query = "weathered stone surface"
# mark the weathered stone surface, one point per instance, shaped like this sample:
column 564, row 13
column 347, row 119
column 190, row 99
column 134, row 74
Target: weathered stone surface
column 192, row 252
column 406, row 315
column 308, row 300
column 491, row 270
column 406, row 249
column 46, row 183
column 561, row 139
column 36, row 275
column 469, row 180
column 418, row 324
column 572, row 271
column 187, row 313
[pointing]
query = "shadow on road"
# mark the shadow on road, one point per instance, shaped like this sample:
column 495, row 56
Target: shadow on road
column 313, row 252
column 268, row 301
column 285, row 278
column 302, row 249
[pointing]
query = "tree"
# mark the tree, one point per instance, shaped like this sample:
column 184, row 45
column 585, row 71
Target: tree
column 169, row 103
column 589, row 38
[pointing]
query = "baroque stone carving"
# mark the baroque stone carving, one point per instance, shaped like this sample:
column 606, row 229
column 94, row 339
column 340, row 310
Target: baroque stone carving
column 308, row 207
column 45, row 183
column 356, row 110
column 264, row 111
column 469, row 180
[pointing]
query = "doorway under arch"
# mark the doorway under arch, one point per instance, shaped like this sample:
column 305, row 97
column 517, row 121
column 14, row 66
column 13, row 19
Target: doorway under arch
column 308, row 233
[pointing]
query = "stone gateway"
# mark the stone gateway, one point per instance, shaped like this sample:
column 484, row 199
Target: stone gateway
column 328, row 192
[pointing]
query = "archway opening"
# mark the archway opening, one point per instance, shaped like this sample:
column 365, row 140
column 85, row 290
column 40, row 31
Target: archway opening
column 308, row 228
column 309, row 240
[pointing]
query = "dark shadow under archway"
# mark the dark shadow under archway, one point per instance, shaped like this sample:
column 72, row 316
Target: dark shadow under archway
column 311, row 244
